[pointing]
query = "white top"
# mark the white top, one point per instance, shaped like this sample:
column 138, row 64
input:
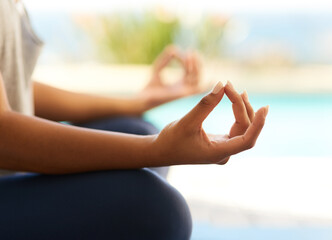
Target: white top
column 19, row 51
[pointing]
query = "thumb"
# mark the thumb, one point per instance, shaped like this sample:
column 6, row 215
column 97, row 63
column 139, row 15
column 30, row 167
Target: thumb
column 198, row 114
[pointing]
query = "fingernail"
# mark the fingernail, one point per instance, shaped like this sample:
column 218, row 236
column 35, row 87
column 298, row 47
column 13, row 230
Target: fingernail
column 267, row 110
column 217, row 88
column 230, row 84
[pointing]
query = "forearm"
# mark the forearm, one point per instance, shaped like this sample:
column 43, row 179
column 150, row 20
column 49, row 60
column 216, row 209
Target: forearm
column 60, row 105
column 36, row 145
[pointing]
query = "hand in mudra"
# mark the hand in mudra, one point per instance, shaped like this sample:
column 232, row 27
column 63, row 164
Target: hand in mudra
column 158, row 92
column 186, row 140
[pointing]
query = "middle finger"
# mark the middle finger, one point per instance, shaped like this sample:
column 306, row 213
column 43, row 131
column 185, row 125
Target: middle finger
column 239, row 109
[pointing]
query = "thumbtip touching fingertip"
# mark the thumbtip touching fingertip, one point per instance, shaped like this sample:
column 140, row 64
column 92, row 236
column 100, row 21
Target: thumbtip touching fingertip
column 216, row 89
column 229, row 84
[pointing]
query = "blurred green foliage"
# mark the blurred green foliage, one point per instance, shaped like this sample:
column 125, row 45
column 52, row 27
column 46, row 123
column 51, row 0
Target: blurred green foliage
column 209, row 34
column 135, row 38
column 138, row 38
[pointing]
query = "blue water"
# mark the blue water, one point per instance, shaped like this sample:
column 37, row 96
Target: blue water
column 204, row 231
column 297, row 125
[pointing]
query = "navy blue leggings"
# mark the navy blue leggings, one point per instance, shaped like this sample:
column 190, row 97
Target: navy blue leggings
column 130, row 204
column 127, row 204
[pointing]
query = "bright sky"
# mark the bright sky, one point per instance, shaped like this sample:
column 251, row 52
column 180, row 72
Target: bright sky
column 191, row 5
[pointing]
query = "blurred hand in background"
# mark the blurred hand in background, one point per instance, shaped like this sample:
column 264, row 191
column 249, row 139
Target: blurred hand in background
column 158, row 91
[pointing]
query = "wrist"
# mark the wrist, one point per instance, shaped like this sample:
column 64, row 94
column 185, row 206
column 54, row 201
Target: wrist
column 132, row 106
column 153, row 152
column 164, row 147
column 141, row 103
column 157, row 152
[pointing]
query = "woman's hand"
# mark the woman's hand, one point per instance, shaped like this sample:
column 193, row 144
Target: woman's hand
column 157, row 92
column 185, row 141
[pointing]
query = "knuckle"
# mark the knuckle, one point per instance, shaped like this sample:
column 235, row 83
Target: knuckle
column 224, row 161
column 238, row 98
column 206, row 101
column 246, row 123
column 248, row 143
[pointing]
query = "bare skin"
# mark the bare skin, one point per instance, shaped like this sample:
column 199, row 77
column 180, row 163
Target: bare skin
column 37, row 145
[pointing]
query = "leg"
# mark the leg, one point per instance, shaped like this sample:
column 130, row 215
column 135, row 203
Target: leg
column 127, row 125
column 134, row 204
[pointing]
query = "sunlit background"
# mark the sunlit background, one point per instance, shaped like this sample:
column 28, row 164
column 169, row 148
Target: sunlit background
column 279, row 51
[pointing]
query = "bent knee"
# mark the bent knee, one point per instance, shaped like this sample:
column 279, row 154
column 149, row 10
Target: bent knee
column 168, row 212
column 144, row 206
